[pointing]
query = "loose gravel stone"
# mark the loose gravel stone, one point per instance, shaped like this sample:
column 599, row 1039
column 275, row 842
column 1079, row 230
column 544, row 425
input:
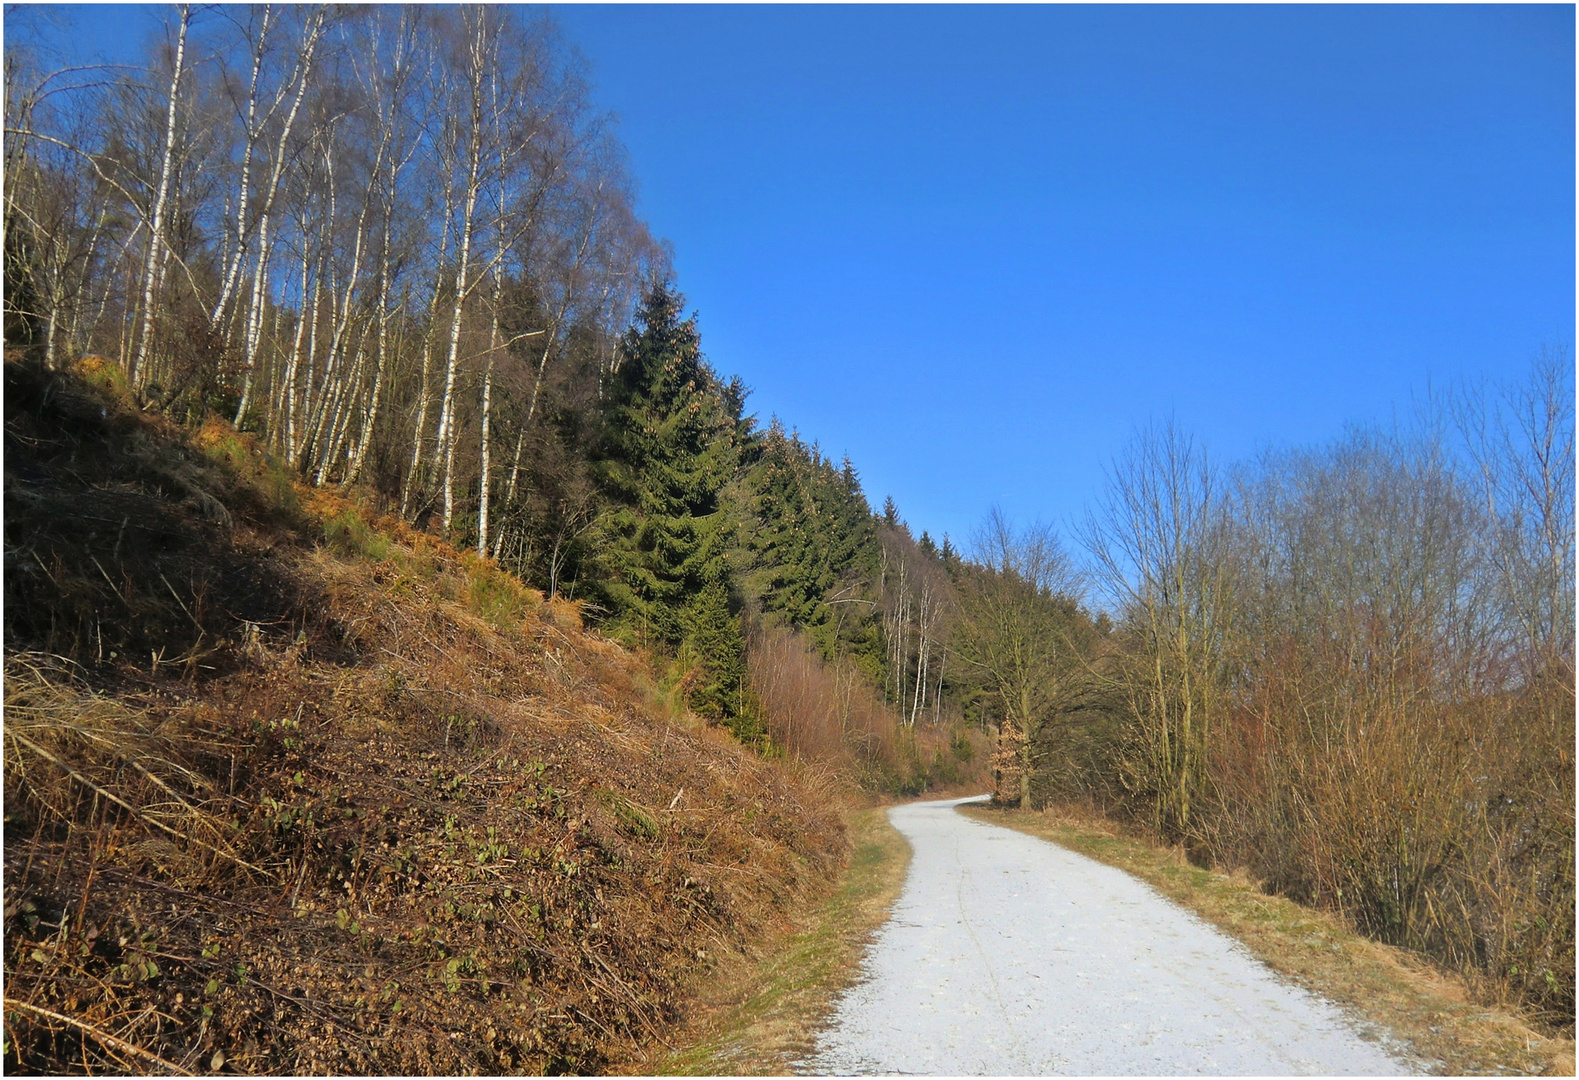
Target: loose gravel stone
column 1007, row 955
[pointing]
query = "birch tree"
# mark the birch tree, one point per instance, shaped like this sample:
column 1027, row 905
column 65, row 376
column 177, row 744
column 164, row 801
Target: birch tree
column 474, row 59
column 154, row 263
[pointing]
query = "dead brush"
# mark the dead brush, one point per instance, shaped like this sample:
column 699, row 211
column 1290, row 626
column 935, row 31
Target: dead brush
column 65, row 744
column 408, row 819
column 1444, row 828
column 462, row 865
column 829, row 713
column 127, row 541
column 94, row 790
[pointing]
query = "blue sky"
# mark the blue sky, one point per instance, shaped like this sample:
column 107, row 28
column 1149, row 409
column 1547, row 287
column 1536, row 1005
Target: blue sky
column 973, row 247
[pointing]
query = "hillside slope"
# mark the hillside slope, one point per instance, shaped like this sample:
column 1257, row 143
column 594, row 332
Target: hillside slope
column 292, row 791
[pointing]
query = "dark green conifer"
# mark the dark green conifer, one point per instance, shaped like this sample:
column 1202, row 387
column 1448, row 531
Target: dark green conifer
column 671, row 443
column 810, row 540
column 713, row 657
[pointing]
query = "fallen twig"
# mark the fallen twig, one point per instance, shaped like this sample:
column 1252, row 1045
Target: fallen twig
column 102, row 1036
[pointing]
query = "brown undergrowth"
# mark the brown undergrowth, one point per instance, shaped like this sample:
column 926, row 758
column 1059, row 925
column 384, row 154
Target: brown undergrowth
column 829, row 712
column 376, row 809
column 760, row 1015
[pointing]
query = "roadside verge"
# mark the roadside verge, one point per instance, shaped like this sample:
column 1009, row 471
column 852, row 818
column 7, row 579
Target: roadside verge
column 1430, row 1010
column 762, row 1016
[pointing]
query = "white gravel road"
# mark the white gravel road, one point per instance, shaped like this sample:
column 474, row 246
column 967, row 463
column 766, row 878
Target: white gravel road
column 1006, row 955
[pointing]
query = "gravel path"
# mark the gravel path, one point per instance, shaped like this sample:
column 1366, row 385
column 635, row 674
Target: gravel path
column 1006, row 955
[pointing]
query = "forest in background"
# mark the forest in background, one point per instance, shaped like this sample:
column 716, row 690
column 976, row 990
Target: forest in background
column 399, row 245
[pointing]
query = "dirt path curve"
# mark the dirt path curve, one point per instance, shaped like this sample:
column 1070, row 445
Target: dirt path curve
column 1006, row 955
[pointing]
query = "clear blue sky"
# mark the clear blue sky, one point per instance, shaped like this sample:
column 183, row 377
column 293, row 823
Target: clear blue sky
column 973, row 247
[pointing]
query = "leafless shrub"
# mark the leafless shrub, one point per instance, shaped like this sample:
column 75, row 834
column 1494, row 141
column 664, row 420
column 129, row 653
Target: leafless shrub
column 830, row 713
column 1353, row 674
column 1160, row 545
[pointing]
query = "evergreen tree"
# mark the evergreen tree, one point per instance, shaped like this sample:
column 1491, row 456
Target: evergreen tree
column 810, row 540
column 671, row 443
column 713, row 656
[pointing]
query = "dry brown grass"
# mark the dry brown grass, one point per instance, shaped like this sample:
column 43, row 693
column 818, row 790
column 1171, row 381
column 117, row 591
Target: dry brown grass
column 421, row 823
column 1430, row 1009
column 128, row 542
column 474, row 853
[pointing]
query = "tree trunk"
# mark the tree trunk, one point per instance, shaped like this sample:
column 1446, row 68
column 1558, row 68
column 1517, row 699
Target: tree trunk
column 452, row 361
column 301, row 75
column 156, row 225
column 482, row 490
column 235, row 257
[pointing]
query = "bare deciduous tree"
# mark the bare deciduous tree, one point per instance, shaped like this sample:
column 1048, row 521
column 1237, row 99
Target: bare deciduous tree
column 1012, row 629
column 1160, row 547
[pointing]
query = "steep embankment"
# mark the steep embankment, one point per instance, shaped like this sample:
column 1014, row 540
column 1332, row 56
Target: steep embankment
column 290, row 791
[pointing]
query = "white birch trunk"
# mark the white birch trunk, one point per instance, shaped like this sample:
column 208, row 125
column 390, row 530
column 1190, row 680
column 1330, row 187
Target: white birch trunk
column 259, row 290
column 236, row 256
column 286, row 407
column 294, row 448
column 452, row 363
column 156, row 226
column 482, row 494
column 509, row 496
column 425, row 389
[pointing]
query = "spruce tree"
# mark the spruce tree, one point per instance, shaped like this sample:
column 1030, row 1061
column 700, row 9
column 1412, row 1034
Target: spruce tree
column 949, row 556
column 671, row 443
column 713, row 655
column 809, row 540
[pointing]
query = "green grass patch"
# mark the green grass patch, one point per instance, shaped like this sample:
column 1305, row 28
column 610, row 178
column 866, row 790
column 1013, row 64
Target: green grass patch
column 105, row 375
column 495, row 595
column 1426, row 1008
column 267, row 475
column 634, row 821
column 349, row 535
